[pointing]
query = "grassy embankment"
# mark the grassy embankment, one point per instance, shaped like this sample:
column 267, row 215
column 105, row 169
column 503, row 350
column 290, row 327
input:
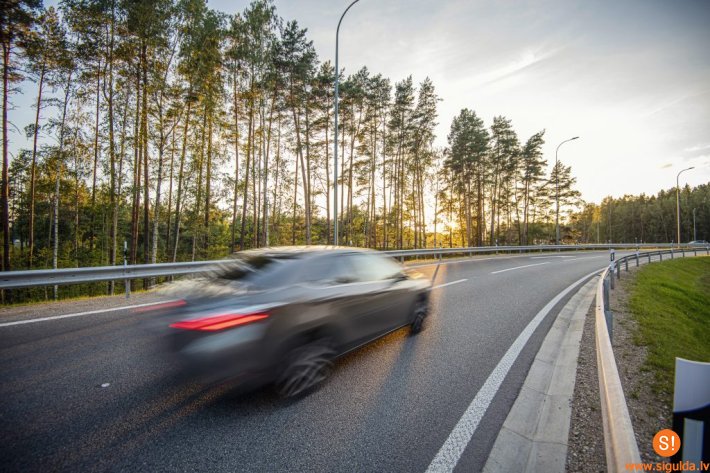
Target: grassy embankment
column 671, row 303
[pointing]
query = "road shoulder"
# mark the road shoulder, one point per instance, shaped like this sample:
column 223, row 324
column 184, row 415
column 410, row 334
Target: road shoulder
column 535, row 434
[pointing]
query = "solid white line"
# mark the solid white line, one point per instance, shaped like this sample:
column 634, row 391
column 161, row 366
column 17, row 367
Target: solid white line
column 79, row 314
column 519, row 267
column 454, row 446
column 449, row 283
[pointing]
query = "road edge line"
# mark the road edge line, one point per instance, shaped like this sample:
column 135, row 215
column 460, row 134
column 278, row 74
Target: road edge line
column 80, row 314
column 534, row 435
column 450, row 452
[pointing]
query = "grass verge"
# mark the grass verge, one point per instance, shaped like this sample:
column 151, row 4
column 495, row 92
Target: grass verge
column 671, row 303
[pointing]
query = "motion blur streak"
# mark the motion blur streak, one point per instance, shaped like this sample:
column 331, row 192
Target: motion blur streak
column 160, row 306
column 281, row 316
column 218, row 322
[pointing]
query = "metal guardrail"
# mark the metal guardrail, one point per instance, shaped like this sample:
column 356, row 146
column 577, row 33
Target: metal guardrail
column 52, row 277
column 619, row 439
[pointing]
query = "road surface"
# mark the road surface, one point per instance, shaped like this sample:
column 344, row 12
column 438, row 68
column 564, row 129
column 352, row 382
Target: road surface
column 95, row 392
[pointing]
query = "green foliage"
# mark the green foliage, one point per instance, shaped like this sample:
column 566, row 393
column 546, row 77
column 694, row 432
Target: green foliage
column 671, row 303
column 188, row 134
column 645, row 219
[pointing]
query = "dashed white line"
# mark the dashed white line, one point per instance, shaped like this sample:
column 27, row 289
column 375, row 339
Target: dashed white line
column 454, row 446
column 467, row 260
column 79, row 314
column 586, row 257
column 554, row 256
column 519, row 267
column 449, row 283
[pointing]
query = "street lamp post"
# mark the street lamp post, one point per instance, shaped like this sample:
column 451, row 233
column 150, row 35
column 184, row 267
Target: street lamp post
column 335, row 140
column 557, row 193
column 677, row 199
column 695, row 233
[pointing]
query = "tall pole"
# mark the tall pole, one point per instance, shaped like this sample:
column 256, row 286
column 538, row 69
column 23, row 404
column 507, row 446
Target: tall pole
column 557, row 193
column 695, row 233
column 335, row 140
column 677, row 200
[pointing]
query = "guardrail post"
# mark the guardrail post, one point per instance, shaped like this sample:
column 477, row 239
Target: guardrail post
column 660, row 255
column 608, row 316
column 649, row 256
column 637, row 259
column 672, row 253
column 618, row 270
column 611, row 276
column 626, row 263
column 683, row 252
column 126, row 281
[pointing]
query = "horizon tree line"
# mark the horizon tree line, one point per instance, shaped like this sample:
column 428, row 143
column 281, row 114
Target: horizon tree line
column 188, row 134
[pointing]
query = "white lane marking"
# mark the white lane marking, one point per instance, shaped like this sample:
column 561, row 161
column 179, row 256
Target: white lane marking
column 467, row 260
column 587, row 257
column 519, row 267
column 79, row 314
column 449, row 283
column 556, row 256
column 454, row 446
column 136, row 306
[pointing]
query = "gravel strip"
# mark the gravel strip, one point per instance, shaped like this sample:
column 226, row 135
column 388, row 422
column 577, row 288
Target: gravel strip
column 649, row 411
column 585, row 451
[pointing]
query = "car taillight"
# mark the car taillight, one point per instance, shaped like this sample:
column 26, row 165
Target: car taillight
column 219, row 322
column 161, row 306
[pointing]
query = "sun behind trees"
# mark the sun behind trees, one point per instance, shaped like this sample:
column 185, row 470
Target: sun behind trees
column 188, row 134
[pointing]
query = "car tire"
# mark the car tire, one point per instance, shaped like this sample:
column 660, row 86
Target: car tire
column 419, row 314
column 305, row 367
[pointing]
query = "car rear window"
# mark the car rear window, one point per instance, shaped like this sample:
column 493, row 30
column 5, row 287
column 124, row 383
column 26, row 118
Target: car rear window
column 260, row 270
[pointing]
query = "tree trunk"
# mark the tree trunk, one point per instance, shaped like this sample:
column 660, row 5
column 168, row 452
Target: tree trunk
column 180, row 175
column 136, row 172
column 33, row 169
column 112, row 152
column 146, row 169
column 236, row 163
column 96, row 156
column 60, row 158
column 246, row 178
column 5, row 204
column 208, row 185
column 198, row 199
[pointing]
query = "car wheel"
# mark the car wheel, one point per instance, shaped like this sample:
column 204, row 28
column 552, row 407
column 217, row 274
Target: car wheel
column 305, row 367
column 421, row 310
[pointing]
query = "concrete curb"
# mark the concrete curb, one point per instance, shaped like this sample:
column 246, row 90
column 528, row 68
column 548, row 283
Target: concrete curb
column 534, row 435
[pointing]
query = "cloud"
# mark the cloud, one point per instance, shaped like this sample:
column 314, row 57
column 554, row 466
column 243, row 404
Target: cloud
column 696, row 148
column 526, row 60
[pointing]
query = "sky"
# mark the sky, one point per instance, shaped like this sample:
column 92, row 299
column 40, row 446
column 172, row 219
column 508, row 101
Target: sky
column 631, row 78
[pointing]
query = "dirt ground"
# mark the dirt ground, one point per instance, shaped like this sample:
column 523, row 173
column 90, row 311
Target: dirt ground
column 649, row 413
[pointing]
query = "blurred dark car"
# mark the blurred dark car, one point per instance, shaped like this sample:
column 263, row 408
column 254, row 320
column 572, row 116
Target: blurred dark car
column 282, row 315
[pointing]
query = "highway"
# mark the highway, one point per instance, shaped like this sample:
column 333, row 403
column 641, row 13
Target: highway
column 95, row 392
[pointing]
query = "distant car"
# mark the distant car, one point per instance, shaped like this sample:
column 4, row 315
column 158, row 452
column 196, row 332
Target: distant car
column 282, row 315
column 698, row 243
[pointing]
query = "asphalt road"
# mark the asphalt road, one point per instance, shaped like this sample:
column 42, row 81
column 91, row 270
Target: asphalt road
column 96, row 393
